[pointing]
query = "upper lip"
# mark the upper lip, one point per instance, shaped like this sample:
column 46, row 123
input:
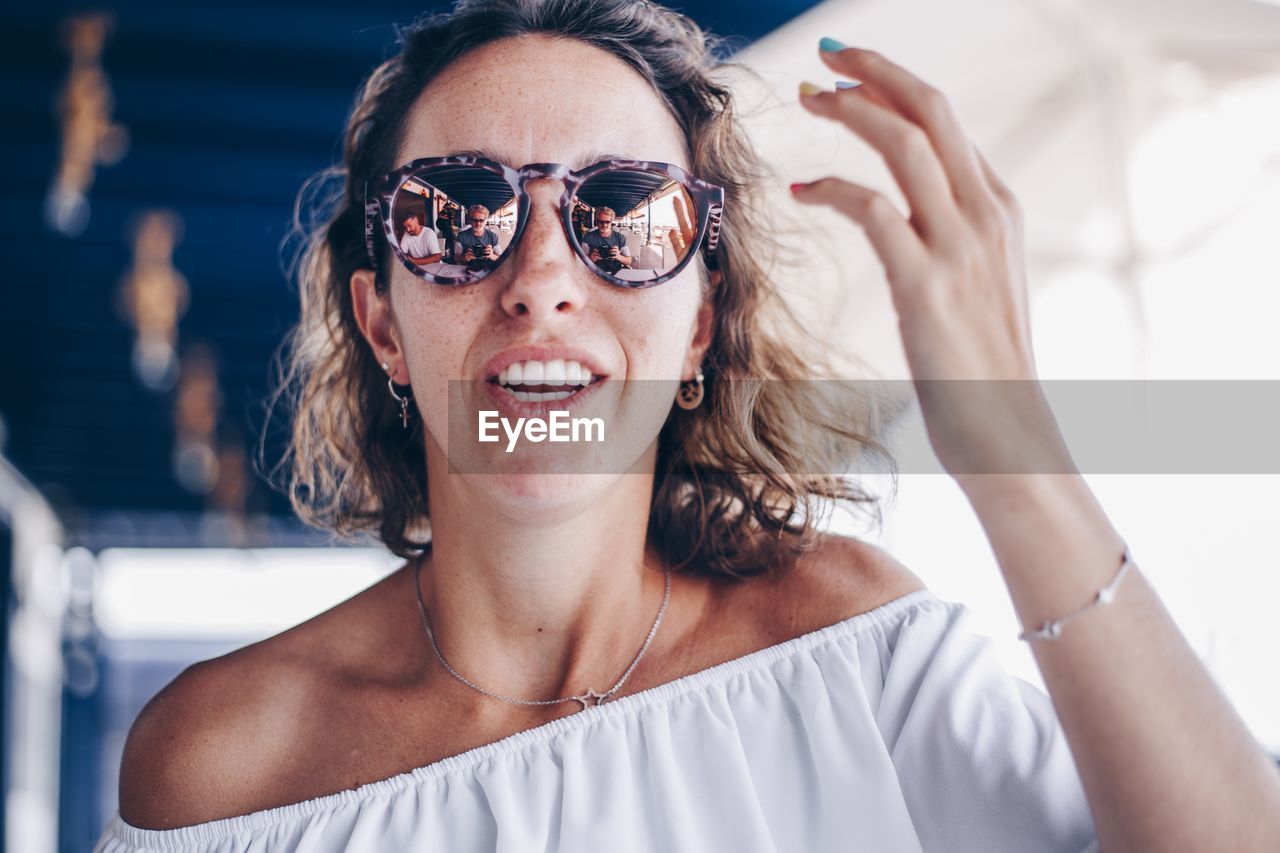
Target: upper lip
column 508, row 357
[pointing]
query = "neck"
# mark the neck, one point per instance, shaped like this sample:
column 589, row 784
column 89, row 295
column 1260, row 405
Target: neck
column 541, row 608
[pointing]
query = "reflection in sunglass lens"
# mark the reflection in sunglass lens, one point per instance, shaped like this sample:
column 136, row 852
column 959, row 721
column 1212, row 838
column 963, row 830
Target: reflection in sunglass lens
column 466, row 217
column 454, row 222
column 634, row 224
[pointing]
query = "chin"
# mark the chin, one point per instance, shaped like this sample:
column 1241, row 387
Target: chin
column 543, row 497
column 526, row 480
column 545, row 489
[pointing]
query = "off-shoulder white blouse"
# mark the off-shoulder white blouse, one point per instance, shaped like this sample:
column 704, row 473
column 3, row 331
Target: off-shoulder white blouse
column 894, row 731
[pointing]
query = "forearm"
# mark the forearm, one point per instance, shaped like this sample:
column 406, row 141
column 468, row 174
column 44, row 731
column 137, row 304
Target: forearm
column 1165, row 761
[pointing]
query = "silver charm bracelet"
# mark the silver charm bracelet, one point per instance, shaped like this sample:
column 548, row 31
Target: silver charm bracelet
column 591, row 697
column 1052, row 629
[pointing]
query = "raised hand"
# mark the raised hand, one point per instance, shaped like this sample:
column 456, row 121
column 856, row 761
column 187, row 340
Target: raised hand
column 682, row 234
column 1185, row 773
column 954, row 262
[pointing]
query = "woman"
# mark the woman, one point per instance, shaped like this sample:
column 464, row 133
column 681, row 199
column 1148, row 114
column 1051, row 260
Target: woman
column 661, row 653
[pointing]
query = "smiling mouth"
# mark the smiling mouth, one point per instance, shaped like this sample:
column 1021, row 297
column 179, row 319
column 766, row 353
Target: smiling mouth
column 539, row 381
column 541, row 393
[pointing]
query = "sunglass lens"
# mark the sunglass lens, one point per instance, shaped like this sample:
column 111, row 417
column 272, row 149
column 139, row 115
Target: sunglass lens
column 464, row 214
column 647, row 217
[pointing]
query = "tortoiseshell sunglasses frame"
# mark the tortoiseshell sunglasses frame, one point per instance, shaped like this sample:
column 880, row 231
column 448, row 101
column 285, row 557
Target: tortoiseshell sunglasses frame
column 708, row 201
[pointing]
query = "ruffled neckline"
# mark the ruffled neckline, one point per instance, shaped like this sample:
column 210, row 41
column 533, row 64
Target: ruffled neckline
column 465, row 761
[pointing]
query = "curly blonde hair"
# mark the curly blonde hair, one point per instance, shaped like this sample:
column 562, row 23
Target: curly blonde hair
column 739, row 482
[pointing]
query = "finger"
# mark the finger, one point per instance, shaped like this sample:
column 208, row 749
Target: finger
column 1000, row 188
column 677, row 241
column 906, row 151
column 678, row 237
column 684, row 218
column 1013, row 212
column 927, row 107
column 904, row 255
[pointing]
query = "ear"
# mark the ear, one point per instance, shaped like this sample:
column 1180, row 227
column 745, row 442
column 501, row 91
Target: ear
column 704, row 328
column 377, row 321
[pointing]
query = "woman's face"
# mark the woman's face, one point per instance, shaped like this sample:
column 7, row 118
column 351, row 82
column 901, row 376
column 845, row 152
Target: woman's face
column 536, row 99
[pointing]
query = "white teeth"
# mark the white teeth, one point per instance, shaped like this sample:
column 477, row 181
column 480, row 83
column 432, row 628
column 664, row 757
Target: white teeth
column 541, row 396
column 554, row 372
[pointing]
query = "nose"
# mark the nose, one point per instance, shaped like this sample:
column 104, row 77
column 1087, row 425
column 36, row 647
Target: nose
column 543, row 276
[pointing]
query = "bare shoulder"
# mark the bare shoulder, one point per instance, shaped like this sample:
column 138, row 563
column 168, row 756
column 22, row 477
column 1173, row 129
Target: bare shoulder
column 853, row 571
column 212, row 741
column 232, row 735
column 839, row 578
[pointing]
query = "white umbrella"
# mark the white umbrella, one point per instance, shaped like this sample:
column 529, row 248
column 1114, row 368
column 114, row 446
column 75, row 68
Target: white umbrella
column 1094, row 113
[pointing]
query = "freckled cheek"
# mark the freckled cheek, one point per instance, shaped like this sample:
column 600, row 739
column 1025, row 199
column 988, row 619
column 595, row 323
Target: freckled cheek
column 438, row 334
column 654, row 336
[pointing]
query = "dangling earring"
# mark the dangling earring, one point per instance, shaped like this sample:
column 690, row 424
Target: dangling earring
column 403, row 401
column 691, row 392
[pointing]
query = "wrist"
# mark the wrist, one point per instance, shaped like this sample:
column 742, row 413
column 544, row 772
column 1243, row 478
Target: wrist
column 1042, row 511
column 1023, row 491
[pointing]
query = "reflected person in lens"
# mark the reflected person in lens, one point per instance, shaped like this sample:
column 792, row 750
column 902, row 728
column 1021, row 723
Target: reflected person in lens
column 444, row 224
column 419, row 244
column 607, row 248
column 477, row 245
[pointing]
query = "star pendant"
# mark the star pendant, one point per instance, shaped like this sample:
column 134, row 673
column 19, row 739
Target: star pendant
column 591, row 698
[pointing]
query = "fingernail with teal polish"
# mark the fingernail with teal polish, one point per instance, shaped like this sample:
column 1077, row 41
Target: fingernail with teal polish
column 847, row 84
column 830, row 45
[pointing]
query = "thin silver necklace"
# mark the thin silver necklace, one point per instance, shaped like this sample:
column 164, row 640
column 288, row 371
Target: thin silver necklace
column 591, row 697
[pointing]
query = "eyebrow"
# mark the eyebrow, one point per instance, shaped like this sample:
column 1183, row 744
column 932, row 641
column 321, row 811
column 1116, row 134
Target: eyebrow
column 588, row 159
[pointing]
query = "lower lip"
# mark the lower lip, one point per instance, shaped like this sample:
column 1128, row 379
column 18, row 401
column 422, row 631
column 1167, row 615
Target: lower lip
column 509, row 405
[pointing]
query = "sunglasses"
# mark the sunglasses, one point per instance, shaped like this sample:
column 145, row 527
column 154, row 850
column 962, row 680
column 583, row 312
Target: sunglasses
column 663, row 196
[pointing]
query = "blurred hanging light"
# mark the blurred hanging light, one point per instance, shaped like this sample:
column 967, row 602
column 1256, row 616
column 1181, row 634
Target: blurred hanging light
column 206, row 460
column 226, row 516
column 154, row 296
column 89, row 137
column 195, row 422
